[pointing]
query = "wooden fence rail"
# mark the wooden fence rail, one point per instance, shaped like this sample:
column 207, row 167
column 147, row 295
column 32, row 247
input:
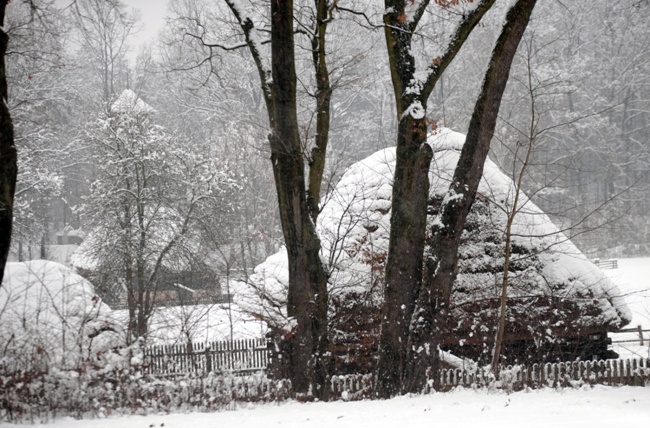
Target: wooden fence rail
column 638, row 329
column 245, row 355
column 606, row 263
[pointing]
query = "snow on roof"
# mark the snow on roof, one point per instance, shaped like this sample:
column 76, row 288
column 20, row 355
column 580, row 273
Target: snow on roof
column 129, row 102
column 69, row 231
column 354, row 229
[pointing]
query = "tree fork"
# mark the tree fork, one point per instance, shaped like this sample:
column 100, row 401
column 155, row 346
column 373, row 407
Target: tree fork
column 410, row 187
column 323, row 101
column 432, row 307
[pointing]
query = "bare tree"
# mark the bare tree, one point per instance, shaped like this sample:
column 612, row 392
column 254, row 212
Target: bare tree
column 36, row 91
column 442, row 265
column 298, row 202
column 536, row 90
column 104, row 27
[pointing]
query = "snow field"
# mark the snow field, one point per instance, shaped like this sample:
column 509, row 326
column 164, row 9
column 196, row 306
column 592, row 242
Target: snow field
column 595, row 407
column 633, row 280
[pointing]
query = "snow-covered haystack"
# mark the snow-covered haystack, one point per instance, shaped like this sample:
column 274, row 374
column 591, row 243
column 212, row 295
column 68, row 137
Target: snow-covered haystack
column 50, row 317
column 555, row 291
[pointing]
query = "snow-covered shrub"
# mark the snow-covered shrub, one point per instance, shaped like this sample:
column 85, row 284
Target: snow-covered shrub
column 51, row 318
column 41, row 397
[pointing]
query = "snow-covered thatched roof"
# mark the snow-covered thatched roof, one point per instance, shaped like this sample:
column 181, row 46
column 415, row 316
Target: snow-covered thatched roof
column 547, row 268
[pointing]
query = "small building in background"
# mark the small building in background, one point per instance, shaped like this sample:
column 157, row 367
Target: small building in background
column 69, row 236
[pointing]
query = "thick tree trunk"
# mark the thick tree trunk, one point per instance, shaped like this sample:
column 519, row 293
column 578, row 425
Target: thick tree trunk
column 408, row 209
column 405, row 253
column 403, row 274
column 8, row 156
column 307, row 299
column 307, row 296
column 431, row 314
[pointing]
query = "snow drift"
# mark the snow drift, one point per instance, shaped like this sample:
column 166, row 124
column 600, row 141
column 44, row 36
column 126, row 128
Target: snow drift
column 50, row 315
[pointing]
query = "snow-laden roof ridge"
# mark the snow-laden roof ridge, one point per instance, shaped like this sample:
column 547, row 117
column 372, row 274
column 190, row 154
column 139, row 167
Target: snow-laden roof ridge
column 129, row 102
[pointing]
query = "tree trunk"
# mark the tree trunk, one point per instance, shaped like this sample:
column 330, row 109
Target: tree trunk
column 431, row 314
column 8, row 156
column 405, row 252
column 518, row 180
column 403, row 274
column 307, row 295
column 307, row 299
column 408, row 208
column 323, row 100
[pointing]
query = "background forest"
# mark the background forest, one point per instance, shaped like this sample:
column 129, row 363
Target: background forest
column 584, row 64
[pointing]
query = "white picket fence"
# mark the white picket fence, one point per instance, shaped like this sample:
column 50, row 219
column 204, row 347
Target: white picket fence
column 606, row 372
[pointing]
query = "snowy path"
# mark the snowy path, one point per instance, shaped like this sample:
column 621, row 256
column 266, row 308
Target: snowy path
column 597, row 407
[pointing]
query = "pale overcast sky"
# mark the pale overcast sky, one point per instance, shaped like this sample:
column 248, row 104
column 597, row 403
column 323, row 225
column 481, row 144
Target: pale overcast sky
column 152, row 13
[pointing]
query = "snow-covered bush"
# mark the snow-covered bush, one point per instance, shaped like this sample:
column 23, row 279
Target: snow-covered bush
column 42, row 397
column 51, row 318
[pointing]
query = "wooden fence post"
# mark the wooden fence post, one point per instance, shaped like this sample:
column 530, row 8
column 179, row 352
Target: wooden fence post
column 208, row 359
column 640, row 335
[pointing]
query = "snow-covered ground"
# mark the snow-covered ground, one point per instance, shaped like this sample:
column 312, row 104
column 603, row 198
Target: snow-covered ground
column 595, row 407
column 633, row 279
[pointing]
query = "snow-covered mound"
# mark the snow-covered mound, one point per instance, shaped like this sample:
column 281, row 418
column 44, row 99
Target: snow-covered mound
column 551, row 280
column 199, row 323
column 50, row 315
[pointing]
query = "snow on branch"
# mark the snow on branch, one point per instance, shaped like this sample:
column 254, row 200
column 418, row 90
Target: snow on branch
column 253, row 41
column 468, row 14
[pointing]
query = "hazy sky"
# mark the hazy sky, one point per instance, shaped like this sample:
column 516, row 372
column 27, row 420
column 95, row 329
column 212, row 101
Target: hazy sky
column 152, row 12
